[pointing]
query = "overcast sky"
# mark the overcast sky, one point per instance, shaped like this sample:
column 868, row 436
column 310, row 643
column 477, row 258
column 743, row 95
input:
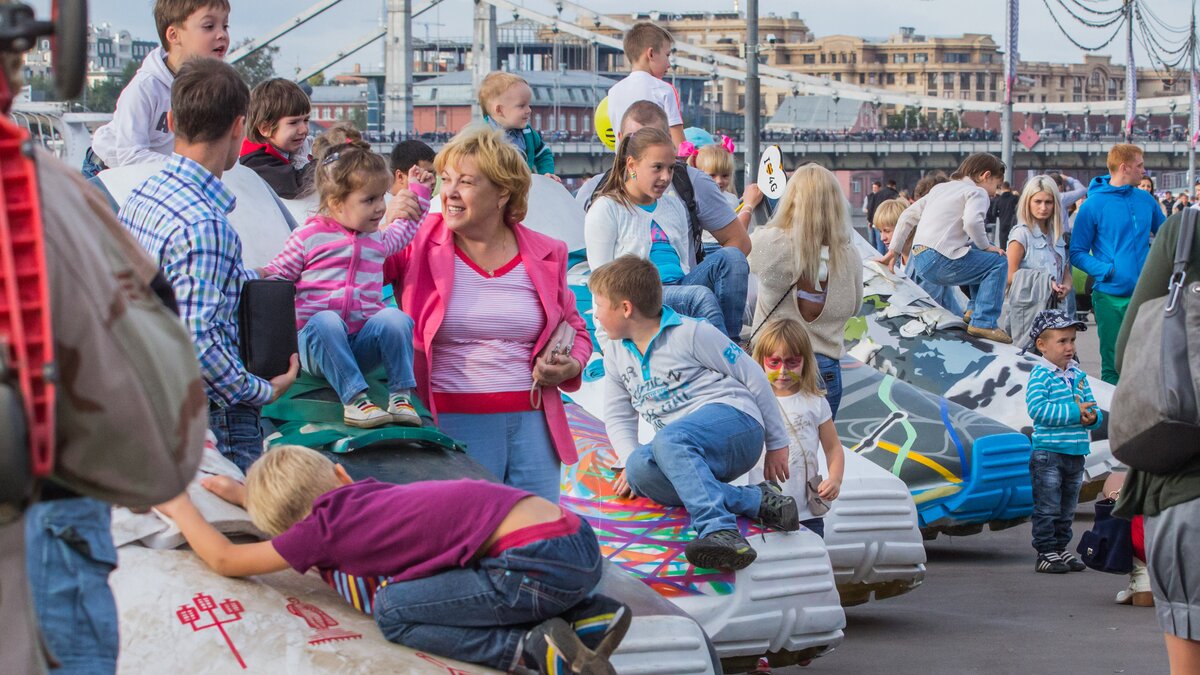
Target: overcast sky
column 1040, row 39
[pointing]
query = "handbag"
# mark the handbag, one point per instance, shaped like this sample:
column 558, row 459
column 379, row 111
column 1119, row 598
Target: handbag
column 267, row 326
column 1155, row 422
column 1108, row 546
column 817, row 505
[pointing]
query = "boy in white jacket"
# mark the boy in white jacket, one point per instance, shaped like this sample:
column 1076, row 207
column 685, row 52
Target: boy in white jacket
column 711, row 407
column 138, row 132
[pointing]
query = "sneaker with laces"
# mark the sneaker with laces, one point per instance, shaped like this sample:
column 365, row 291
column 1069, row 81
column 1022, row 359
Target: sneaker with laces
column 778, row 511
column 1050, row 563
column 401, row 409
column 600, row 622
column 993, row 334
column 1073, row 563
column 553, row 647
column 364, row 414
column 720, row 550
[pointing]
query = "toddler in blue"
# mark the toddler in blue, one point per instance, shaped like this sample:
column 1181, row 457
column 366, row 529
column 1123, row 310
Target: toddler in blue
column 1063, row 410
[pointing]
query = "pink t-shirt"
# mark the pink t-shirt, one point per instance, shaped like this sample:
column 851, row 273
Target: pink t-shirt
column 370, row 529
column 483, row 351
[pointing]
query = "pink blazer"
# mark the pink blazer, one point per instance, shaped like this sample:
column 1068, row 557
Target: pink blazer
column 422, row 276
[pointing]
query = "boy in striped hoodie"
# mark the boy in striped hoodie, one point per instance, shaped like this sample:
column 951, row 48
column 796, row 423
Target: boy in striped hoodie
column 1063, row 410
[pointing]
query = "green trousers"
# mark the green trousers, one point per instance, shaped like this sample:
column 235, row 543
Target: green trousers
column 1110, row 314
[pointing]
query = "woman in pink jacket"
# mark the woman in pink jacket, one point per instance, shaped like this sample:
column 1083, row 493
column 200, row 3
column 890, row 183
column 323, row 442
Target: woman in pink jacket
column 497, row 333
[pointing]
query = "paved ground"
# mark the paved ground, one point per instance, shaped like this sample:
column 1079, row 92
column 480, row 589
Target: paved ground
column 982, row 609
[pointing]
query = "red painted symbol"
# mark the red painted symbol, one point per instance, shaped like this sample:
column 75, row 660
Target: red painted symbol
column 449, row 669
column 1029, row 138
column 318, row 619
column 204, row 602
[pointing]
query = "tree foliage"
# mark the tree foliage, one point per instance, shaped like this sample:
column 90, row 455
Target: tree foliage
column 259, row 66
column 102, row 96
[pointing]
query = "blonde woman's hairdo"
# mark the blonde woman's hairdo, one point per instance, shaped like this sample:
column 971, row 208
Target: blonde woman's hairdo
column 282, row 485
column 1053, row 229
column 814, row 213
column 790, row 336
column 497, row 160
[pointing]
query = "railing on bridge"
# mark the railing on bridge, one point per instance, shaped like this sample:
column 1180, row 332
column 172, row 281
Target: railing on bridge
column 66, row 134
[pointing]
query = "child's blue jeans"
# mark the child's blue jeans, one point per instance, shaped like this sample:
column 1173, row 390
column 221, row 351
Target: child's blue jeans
column 328, row 350
column 1056, row 482
column 690, row 462
column 481, row 614
column 986, row 274
column 238, row 429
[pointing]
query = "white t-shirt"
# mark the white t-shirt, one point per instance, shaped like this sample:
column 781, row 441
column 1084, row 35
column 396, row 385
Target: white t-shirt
column 803, row 415
column 642, row 86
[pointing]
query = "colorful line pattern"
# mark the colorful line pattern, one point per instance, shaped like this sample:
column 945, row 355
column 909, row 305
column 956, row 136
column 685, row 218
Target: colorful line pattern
column 643, row 538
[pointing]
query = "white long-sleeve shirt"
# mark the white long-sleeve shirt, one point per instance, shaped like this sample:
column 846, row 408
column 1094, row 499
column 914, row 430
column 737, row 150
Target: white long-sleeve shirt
column 138, row 131
column 688, row 365
column 950, row 219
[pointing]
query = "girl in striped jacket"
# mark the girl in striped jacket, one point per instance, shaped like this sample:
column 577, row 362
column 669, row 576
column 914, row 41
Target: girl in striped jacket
column 336, row 260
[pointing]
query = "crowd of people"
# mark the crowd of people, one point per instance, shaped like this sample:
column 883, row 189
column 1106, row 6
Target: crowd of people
column 721, row 331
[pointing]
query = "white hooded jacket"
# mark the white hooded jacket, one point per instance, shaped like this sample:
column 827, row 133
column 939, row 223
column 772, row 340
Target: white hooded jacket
column 138, row 131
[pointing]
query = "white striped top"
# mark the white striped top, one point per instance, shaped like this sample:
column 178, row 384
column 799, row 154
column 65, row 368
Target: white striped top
column 483, row 351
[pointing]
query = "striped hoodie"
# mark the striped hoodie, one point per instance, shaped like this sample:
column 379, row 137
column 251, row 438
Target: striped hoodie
column 341, row 270
column 1052, row 398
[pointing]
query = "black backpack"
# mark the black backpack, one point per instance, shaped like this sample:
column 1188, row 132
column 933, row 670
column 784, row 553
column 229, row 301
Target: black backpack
column 682, row 183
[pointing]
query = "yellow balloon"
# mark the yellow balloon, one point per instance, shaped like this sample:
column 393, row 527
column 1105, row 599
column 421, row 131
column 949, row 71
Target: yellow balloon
column 604, row 125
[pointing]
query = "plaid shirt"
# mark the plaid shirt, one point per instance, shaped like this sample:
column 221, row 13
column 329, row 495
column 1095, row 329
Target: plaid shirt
column 179, row 215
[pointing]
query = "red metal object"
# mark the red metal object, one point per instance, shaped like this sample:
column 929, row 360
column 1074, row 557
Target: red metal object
column 25, row 291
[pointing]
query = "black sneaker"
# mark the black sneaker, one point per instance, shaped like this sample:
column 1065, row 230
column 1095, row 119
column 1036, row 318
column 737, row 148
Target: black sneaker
column 777, row 511
column 1050, row 563
column 720, row 550
column 1073, row 563
column 553, row 647
column 600, row 622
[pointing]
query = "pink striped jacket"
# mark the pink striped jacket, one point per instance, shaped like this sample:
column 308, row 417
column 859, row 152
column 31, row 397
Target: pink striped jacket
column 339, row 269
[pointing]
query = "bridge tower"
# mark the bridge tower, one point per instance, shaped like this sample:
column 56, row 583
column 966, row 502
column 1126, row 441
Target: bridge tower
column 398, row 60
column 484, row 51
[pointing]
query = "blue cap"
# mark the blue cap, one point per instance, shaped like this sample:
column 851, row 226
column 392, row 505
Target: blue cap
column 1049, row 319
column 698, row 137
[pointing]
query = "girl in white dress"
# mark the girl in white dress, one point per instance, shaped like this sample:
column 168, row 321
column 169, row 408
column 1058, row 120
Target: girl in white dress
column 784, row 350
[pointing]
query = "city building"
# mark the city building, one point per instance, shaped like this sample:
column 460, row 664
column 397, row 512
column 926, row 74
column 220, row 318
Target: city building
column 562, row 102
column 962, row 67
column 354, row 103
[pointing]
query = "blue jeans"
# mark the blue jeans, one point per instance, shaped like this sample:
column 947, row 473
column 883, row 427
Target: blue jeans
column 942, row 295
column 239, row 433
column 690, row 462
column 327, row 350
column 695, row 301
column 816, row 525
column 70, row 554
column 516, row 447
column 1056, row 482
column 985, row 273
column 726, row 273
column 91, row 164
column 830, row 371
column 481, row 614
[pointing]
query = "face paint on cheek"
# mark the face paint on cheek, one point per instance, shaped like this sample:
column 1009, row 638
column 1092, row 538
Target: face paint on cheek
column 781, row 376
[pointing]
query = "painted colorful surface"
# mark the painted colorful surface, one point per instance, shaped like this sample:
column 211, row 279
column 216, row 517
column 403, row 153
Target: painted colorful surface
column 642, row 537
column 940, row 357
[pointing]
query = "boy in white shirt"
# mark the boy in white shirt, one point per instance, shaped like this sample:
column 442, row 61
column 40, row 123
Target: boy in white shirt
column 648, row 50
column 711, row 407
column 138, row 132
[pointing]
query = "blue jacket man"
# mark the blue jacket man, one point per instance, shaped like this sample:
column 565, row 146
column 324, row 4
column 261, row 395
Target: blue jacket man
column 1110, row 241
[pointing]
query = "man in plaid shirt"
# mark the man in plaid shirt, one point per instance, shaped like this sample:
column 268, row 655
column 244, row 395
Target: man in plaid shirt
column 179, row 215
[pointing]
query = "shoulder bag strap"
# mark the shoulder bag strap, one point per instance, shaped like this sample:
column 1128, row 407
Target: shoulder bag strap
column 1183, row 252
column 1179, row 389
column 766, row 318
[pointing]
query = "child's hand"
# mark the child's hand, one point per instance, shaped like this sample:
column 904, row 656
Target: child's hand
column 226, row 488
column 554, row 178
column 418, row 175
column 752, row 197
column 829, row 489
column 1085, row 411
column 621, row 486
column 775, row 466
column 404, row 206
column 888, row 259
column 993, row 249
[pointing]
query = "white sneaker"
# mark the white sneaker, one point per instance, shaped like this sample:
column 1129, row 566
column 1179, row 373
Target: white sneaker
column 364, row 414
column 402, row 411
